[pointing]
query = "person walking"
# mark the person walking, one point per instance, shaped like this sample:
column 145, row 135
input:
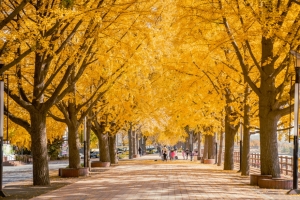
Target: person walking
column 183, row 154
column 140, row 151
column 187, row 153
column 172, row 155
column 165, row 153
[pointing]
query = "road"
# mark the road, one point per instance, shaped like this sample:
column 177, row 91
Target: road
column 24, row 172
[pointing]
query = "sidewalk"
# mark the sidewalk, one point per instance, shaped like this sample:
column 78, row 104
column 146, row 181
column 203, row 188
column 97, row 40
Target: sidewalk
column 146, row 178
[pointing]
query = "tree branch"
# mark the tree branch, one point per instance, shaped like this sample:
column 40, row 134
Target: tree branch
column 21, row 122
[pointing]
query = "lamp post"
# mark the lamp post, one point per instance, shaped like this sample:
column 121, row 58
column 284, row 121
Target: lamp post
column 2, row 194
column 296, row 125
column 7, row 107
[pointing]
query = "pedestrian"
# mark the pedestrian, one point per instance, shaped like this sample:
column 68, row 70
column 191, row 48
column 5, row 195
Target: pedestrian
column 187, row 153
column 140, row 151
column 183, row 154
column 196, row 155
column 165, row 153
column 172, row 155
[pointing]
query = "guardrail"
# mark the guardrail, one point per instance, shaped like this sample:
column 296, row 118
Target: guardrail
column 285, row 162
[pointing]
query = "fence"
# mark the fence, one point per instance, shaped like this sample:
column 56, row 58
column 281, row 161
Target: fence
column 285, row 162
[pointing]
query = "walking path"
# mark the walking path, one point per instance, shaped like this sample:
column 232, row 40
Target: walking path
column 146, row 178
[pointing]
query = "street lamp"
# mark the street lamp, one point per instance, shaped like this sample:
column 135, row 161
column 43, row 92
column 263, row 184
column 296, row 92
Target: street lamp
column 296, row 125
column 2, row 194
column 7, row 107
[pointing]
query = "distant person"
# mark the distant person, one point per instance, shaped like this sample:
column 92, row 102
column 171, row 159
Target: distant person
column 183, row 154
column 172, row 155
column 140, row 151
column 165, row 153
column 187, row 153
column 196, row 155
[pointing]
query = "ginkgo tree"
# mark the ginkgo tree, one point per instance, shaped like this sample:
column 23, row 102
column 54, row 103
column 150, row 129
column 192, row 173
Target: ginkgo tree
column 61, row 40
column 260, row 34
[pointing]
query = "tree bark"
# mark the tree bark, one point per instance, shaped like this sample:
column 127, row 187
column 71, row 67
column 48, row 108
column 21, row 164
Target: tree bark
column 73, row 136
column 39, row 150
column 144, row 144
column 220, row 156
column 245, row 168
column 74, row 146
column 88, row 138
column 268, row 147
column 130, row 142
column 199, row 145
column 113, row 149
column 104, row 148
column 211, row 147
column 137, row 141
column 268, row 114
column 230, row 132
column 205, row 152
column 133, row 137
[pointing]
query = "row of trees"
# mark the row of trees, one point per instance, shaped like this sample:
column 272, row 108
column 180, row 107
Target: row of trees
column 64, row 58
column 242, row 48
column 154, row 66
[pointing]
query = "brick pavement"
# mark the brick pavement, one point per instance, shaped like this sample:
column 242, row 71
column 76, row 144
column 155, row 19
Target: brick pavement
column 149, row 179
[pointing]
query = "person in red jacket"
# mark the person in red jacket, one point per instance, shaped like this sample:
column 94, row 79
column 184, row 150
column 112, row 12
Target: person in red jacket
column 172, row 155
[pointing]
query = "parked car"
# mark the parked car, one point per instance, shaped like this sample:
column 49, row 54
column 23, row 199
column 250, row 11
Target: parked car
column 120, row 151
column 151, row 150
column 94, row 154
column 81, row 155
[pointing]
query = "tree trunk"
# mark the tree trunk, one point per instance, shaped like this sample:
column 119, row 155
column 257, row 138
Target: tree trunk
column 268, row 113
column 211, row 147
column 130, row 142
column 199, row 145
column 187, row 142
column 230, row 132
column 74, row 146
column 205, row 152
column 113, row 149
column 73, row 136
column 88, row 142
column 220, row 157
column 104, row 149
column 245, row 168
column 140, row 143
column 268, row 146
column 133, row 137
column 144, row 144
column 137, row 142
column 39, row 149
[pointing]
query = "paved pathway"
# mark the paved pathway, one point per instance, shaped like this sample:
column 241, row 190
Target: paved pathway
column 150, row 179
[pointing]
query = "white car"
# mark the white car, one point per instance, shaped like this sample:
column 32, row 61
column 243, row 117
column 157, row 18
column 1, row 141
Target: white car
column 81, row 155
